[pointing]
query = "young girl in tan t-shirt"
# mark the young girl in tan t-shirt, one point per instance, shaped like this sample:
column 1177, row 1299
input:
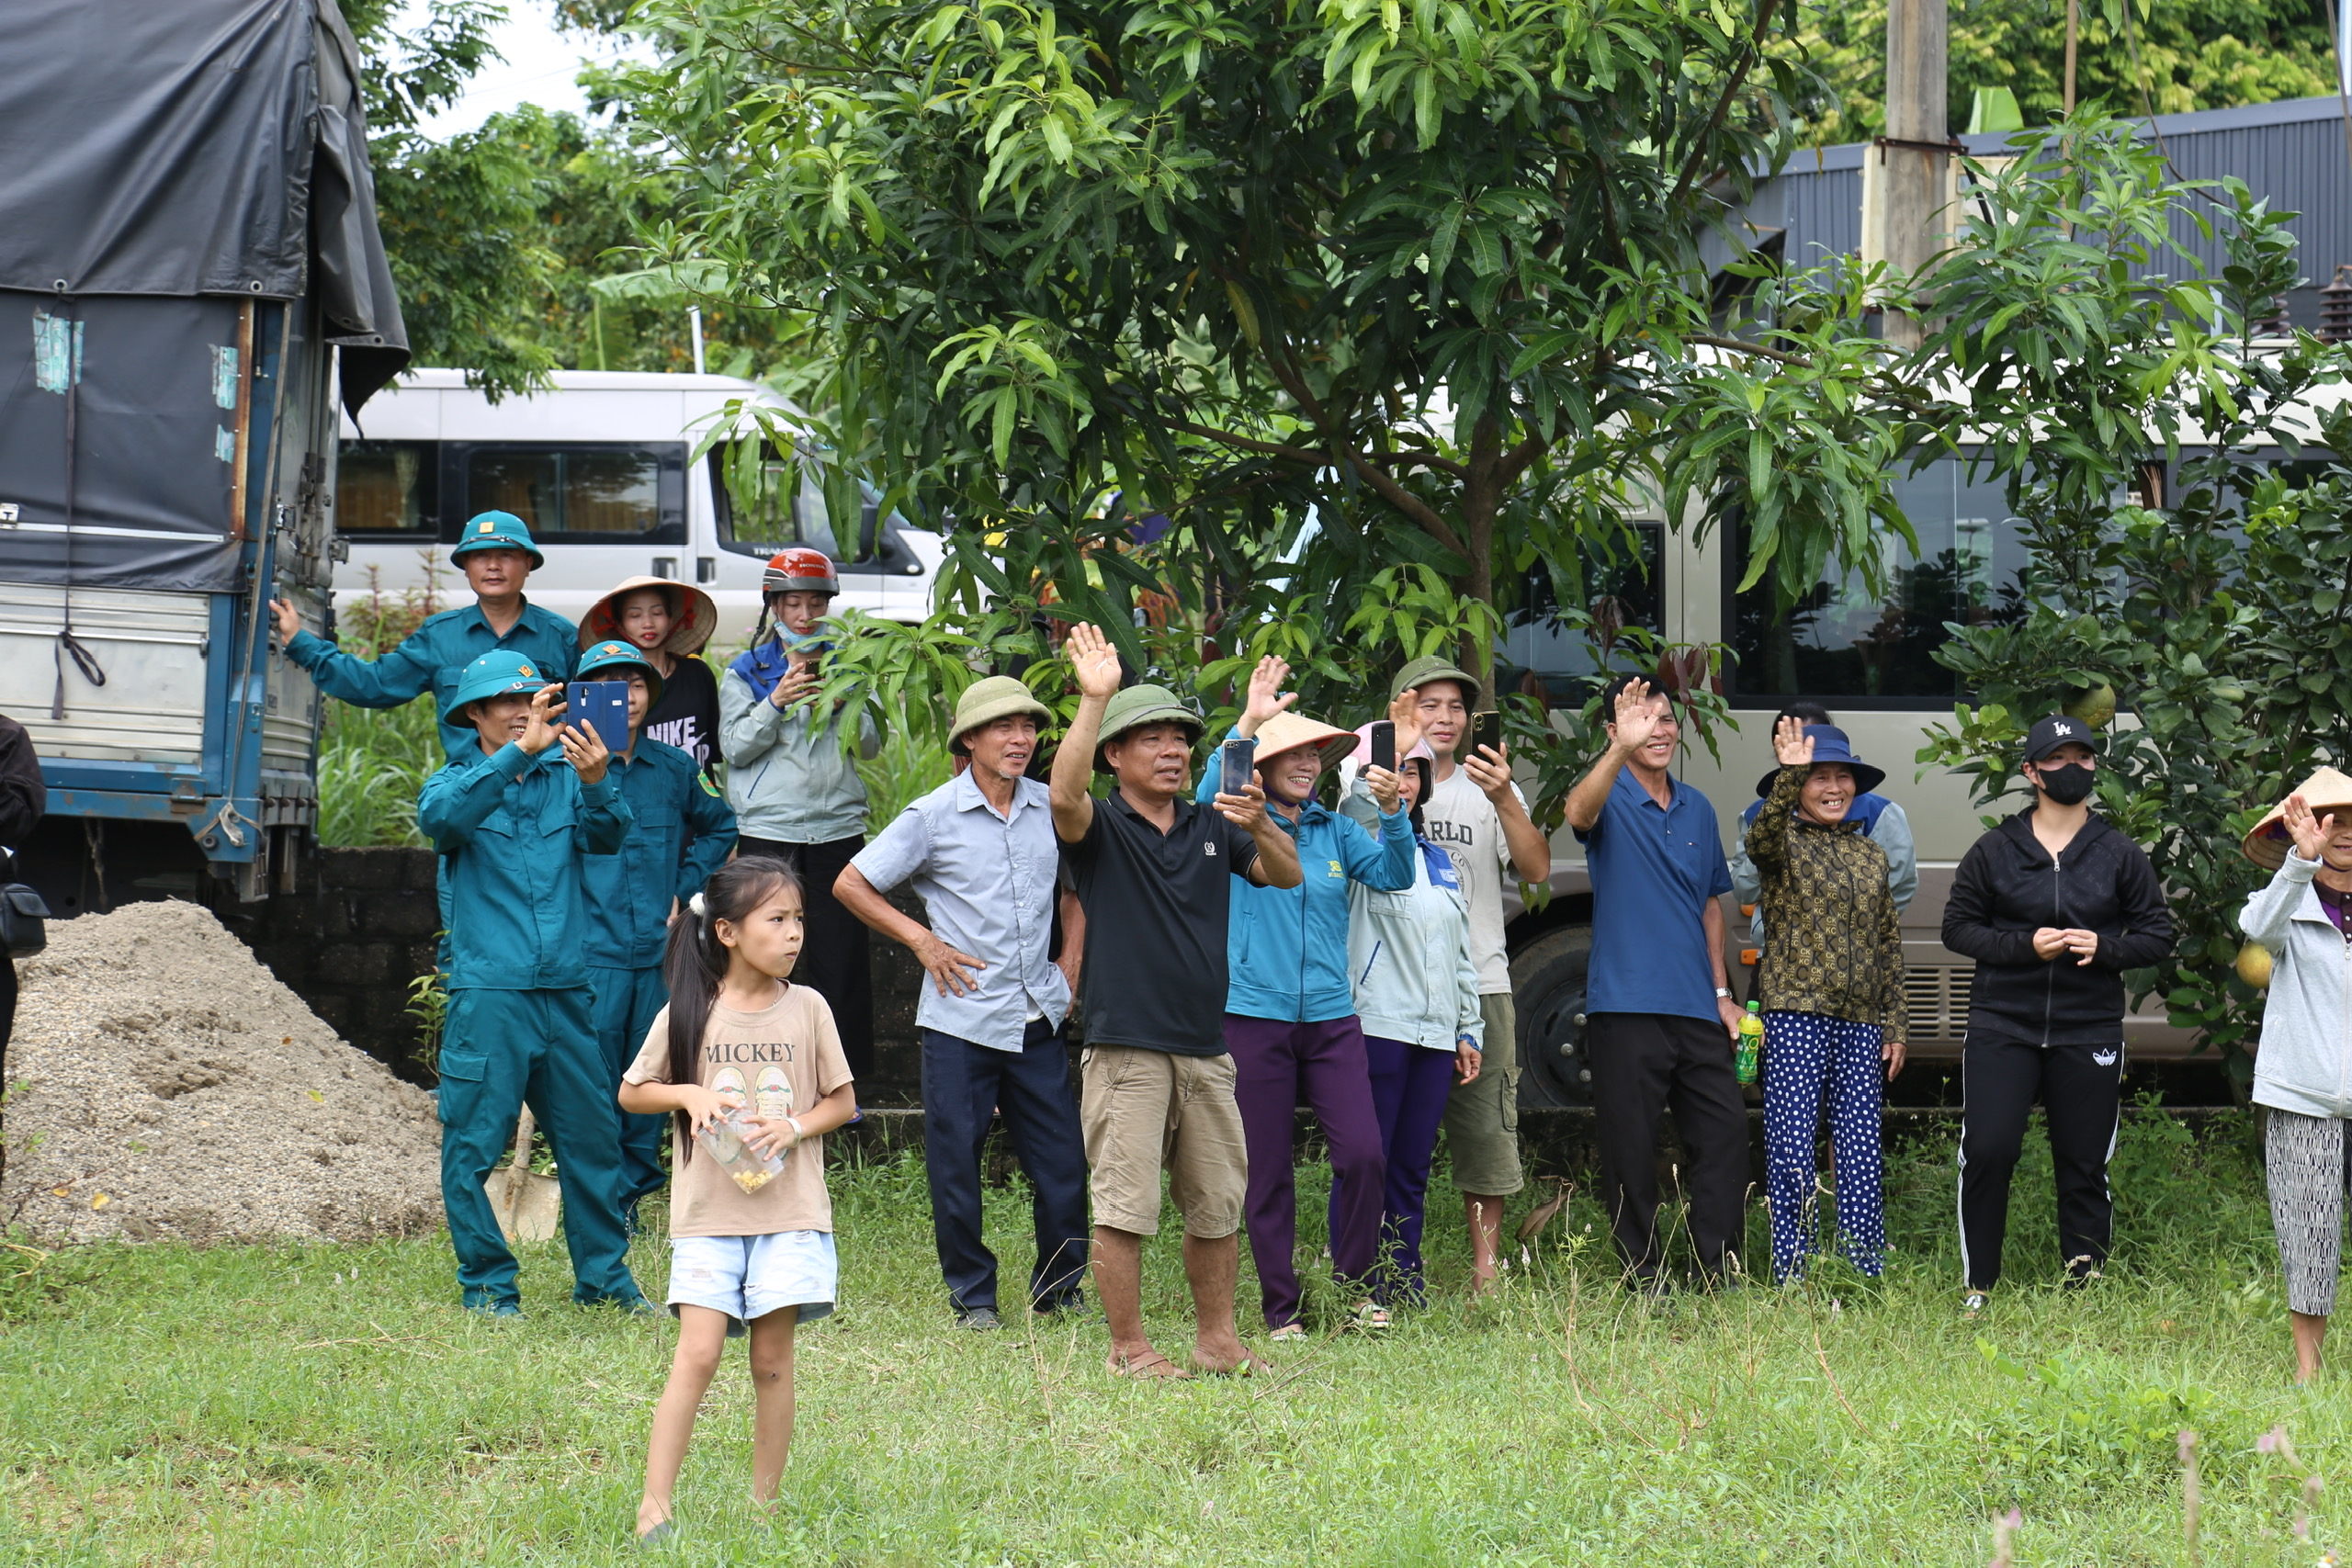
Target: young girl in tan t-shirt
column 738, row 1035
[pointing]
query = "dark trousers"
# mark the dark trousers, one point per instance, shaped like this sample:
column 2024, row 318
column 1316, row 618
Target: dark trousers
column 2081, row 1087
column 1645, row 1063
column 962, row 1085
column 835, row 960
column 1409, row 1088
column 1277, row 1067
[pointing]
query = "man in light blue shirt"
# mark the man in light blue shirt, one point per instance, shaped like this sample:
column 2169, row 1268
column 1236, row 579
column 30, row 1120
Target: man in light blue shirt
column 980, row 850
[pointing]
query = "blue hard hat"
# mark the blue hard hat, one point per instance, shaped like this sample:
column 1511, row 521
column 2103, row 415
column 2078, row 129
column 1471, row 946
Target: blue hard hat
column 615, row 661
column 496, row 675
column 1830, row 745
column 498, row 531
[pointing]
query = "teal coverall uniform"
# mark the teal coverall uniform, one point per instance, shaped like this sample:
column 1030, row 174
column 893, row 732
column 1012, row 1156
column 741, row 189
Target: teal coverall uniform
column 683, row 832
column 513, row 832
column 432, row 658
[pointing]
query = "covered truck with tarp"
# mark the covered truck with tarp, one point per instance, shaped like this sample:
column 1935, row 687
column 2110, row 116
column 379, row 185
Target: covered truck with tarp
column 190, row 279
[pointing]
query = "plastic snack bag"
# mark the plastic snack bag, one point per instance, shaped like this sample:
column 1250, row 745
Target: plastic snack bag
column 727, row 1140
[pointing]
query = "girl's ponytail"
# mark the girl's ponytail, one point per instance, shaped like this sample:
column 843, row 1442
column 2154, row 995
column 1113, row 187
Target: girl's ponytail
column 694, row 966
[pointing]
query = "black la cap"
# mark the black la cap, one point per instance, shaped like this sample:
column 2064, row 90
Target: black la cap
column 2060, row 729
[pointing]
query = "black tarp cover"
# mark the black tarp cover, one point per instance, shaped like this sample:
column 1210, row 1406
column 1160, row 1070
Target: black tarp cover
column 161, row 160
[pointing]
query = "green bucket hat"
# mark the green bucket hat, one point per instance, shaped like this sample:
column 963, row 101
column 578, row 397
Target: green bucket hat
column 614, row 660
column 496, row 674
column 1435, row 666
column 498, row 531
column 1136, row 706
column 985, row 702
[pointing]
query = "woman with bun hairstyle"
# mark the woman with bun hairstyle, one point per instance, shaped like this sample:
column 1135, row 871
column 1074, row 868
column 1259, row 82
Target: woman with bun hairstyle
column 2303, row 1074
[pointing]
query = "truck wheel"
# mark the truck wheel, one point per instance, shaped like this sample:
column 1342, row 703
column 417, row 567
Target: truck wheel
column 1547, row 981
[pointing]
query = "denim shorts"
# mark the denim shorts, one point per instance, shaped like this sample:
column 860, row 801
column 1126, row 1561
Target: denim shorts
column 751, row 1276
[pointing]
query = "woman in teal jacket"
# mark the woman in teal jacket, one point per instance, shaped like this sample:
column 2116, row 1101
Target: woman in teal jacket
column 1290, row 1011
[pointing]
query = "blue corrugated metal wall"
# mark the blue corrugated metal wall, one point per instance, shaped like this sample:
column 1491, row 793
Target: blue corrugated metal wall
column 2294, row 153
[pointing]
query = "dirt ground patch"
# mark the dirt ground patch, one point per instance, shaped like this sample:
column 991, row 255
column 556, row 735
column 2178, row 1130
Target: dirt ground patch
column 162, row 1083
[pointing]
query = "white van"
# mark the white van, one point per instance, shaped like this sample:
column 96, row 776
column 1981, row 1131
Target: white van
column 598, row 468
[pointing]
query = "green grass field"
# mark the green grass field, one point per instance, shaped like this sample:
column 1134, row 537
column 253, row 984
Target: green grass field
column 331, row 1404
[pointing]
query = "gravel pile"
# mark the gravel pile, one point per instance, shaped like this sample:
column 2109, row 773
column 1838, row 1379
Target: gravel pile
column 163, row 1083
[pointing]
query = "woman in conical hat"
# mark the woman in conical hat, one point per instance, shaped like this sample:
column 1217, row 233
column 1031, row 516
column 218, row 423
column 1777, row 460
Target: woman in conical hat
column 2303, row 1074
column 672, row 621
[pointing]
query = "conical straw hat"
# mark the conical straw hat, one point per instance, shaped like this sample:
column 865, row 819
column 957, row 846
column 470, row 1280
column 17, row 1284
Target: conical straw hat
column 1289, row 731
column 2324, row 791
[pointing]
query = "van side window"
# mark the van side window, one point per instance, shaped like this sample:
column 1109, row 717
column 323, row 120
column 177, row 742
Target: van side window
column 1844, row 642
column 583, row 492
column 1620, row 586
column 388, row 490
column 760, row 527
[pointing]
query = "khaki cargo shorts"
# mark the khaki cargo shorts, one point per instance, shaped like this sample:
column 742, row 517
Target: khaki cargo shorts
column 1482, row 1116
column 1146, row 1111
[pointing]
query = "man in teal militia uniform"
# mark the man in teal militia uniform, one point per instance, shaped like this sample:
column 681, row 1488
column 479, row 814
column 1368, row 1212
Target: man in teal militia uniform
column 497, row 556
column 682, row 832
column 513, row 823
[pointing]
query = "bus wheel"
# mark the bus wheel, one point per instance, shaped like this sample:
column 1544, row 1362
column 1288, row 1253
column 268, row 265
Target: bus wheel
column 1547, row 978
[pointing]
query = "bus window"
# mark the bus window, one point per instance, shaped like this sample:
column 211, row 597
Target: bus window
column 582, row 494
column 388, row 490
column 1537, row 643
column 1844, row 643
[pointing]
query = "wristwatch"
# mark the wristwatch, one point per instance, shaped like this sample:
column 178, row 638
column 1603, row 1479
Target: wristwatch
column 1722, row 993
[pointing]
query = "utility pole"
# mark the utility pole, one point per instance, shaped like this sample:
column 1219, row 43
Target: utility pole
column 1912, row 159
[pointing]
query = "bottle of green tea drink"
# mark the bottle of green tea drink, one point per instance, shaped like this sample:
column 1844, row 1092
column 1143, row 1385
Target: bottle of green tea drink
column 1752, row 1043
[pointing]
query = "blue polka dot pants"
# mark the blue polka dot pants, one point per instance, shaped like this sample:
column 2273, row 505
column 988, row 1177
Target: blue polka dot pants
column 1804, row 1055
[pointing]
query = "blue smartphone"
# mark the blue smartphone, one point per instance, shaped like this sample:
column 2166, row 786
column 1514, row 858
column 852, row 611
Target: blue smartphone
column 601, row 706
column 1236, row 758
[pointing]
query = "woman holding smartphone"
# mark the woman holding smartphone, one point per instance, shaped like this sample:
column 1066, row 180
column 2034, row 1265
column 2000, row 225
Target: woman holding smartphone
column 793, row 785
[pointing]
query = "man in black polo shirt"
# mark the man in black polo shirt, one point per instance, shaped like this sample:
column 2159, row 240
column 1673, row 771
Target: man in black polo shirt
column 1151, row 872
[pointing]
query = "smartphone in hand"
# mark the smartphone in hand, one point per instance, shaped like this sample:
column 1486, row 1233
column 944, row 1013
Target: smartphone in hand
column 1486, row 729
column 1383, row 744
column 1235, row 759
column 601, row 706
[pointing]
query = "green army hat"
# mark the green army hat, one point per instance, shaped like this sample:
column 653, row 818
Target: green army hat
column 1435, row 666
column 613, row 660
column 496, row 674
column 985, row 702
column 498, row 531
column 1136, row 706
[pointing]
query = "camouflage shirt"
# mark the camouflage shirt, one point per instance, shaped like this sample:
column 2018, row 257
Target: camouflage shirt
column 1835, row 947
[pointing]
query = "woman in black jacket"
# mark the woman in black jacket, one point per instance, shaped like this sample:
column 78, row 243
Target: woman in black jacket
column 2053, row 904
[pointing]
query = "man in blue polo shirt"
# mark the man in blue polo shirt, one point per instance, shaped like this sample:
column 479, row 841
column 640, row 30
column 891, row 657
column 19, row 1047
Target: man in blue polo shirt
column 1661, row 1021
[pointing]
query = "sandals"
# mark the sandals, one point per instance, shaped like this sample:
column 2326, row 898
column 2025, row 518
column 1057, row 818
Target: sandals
column 1149, row 1366
column 1291, row 1330
column 1371, row 1317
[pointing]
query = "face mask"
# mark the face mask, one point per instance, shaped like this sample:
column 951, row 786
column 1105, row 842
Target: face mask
column 2069, row 786
column 818, row 641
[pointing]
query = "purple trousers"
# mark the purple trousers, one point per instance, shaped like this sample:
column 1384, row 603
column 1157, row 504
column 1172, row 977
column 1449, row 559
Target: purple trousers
column 1410, row 1086
column 1277, row 1067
